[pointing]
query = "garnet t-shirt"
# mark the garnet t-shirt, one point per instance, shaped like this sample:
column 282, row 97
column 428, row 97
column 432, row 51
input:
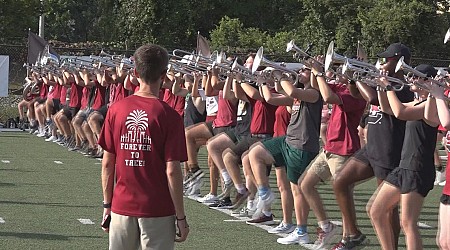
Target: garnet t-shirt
column 342, row 131
column 144, row 134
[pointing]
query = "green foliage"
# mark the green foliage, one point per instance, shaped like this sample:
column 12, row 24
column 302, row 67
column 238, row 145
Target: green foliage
column 236, row 26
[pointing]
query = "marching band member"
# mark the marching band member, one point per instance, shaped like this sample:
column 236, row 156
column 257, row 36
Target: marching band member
column 409, row 183
column 379, row 156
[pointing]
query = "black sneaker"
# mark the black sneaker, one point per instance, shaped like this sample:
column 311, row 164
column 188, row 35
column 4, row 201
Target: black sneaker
column 222, row 204
column 357, row 242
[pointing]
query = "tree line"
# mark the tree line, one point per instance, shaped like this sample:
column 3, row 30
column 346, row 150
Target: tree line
column 233, row 25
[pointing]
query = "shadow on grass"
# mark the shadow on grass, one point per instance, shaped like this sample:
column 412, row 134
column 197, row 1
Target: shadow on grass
column 33, row 203
column 43, row 236
column 6, row 184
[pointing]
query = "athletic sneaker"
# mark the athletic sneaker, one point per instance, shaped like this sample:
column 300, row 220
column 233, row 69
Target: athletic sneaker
column 296, row 237
column 223, row 203
column 51, row 138
column 197, row 175
column 227, row 187
column 265, row 202
column 209, row 198
column 282, row 229
column 323, row 238
column 351, row 243
column 243, row 212
column 262, row 220
column 440, row 177
column 239, row 199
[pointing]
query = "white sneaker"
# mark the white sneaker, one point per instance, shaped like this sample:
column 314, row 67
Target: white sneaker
column 209, row 198
column 264, row 203
column 294, row 238
column 323, row 238
column 282, row 229
column 440, row 177
column 51, row 138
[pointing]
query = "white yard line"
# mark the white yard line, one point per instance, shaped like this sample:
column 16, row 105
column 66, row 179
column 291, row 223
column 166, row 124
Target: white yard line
column 86, row 221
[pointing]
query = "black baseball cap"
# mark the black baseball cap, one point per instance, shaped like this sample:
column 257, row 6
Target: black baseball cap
column 427, row 69
column 396, row 49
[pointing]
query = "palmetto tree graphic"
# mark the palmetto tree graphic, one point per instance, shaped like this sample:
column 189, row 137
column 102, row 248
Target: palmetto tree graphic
column 137, row 120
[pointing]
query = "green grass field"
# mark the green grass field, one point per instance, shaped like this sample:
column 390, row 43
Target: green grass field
column 44, row 190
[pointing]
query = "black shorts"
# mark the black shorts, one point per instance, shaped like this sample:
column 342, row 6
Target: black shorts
column 56, row 106
column 215, row 131
column 70, row 112
column 41, row 100
column 409, row 181
column 244, row 145
column 445, row 199
column 379, row 171
column 103, row 110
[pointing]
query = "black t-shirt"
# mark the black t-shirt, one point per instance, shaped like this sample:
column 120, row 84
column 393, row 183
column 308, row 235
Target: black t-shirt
column 244, row 117
column 191, row 114
column 385, row 135
column 418, row 147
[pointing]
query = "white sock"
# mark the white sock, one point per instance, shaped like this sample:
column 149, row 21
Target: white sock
column 226, row 177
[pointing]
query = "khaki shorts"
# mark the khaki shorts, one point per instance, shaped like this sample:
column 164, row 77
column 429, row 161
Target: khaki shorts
column 126, row 232
column 327, row 164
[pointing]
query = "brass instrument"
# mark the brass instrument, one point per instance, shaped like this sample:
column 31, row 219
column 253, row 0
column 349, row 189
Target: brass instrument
column 259, row 60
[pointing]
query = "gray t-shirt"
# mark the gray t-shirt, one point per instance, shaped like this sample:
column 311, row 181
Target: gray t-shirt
column 304, row 128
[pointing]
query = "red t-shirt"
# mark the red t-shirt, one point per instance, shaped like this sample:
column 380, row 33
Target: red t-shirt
column 117, row 92
column 85, row 97
column 282, row 118
column 76, row 92
column 342, row 131
column 174, row 101
column 226, row 113
column 43, row 91
column 99, row 98
column 63, row 95
column 144, row 134
column 55, row 91
column 263, row 117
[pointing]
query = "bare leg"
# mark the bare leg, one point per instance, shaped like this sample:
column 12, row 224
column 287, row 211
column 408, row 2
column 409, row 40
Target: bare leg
column 350, row 174
column 382, row 203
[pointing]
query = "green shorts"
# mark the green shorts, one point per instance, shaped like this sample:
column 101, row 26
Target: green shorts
column 295, row 160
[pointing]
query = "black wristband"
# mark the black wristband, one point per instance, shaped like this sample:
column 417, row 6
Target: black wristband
column 106, row 205
column 184, row 218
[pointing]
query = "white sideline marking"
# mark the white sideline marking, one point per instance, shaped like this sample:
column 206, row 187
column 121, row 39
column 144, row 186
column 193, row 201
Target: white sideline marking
column 58, row 162
column 424, row 225
column 6, row 161
column 2, row 220
column 86, row 221
column 337, row 222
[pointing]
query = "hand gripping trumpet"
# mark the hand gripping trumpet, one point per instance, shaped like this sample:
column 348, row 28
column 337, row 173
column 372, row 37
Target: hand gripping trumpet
column 368, row 76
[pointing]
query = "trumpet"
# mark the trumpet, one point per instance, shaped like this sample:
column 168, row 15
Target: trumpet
column 401, row 65
column 332, row 57
column 259, row 60
column 299, row 53
column 366, row 76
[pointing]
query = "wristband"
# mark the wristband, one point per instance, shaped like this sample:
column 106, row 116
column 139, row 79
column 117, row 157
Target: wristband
column 106, row 205
column 184, row 218
column 320, row 74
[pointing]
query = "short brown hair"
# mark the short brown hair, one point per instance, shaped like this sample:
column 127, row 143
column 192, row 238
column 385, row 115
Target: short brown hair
column 151, row 62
